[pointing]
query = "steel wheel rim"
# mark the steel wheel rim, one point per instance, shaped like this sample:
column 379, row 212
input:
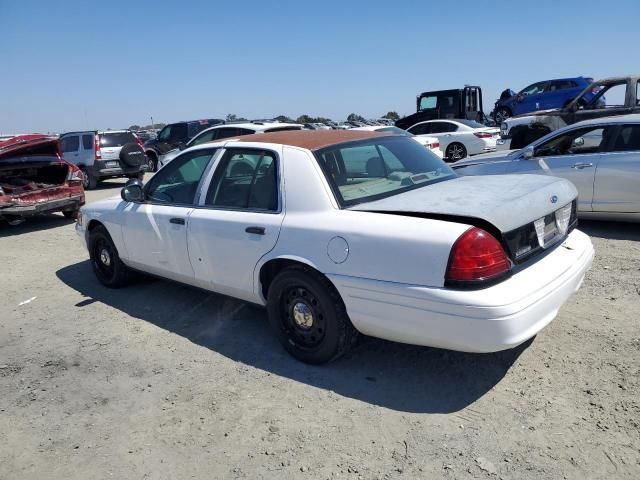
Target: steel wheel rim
column 103, row 258
column 302, row 318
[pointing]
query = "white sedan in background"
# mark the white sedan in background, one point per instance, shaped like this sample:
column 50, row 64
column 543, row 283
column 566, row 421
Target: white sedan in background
column 339, row 232
column 432, row 143
column 458, row 138
column 228, row 130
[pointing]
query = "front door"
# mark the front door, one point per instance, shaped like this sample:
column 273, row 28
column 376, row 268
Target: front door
column 155, row 231
column 237, row 221
column 574, row 155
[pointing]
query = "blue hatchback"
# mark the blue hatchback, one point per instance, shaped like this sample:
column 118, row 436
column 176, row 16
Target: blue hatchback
column 540, row 96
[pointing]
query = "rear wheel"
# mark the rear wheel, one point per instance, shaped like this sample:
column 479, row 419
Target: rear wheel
column 308, row 316
column 71, row 214
column 89, row 182
column 455, row 151
column 105, row 260
column 152, row 162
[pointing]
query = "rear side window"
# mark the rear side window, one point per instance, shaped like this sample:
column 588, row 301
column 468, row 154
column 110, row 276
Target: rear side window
column 116, row 139
column 245, row 179
column 628, row 139
column 87, row 142
column 70, row 143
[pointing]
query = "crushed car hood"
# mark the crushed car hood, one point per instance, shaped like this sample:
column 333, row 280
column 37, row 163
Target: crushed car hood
column 505, row 201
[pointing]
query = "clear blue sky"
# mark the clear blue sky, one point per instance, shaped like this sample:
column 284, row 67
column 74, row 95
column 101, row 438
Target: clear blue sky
column 109, row 64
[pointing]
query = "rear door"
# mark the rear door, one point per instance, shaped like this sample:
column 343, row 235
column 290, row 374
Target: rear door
column 87, row 149
column 574, row 155
column 237, row 220
column 617, row 182
column 529, row 99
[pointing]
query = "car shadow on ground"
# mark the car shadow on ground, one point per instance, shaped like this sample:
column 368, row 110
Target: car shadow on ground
column 610, row 230
column 34, row 224
column 396, row 376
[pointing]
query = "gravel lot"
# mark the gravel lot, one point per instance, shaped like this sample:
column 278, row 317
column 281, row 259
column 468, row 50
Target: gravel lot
column 161, row 381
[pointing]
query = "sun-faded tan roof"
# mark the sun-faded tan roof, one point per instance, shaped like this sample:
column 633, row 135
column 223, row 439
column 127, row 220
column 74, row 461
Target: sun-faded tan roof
column 310, row 139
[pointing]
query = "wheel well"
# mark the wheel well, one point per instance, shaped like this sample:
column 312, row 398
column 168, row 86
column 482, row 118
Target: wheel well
column 270, row 269
column 93, row 224
column 152, row 153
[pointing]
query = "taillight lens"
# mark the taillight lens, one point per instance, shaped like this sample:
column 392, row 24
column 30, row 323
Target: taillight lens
column 476, row 257
column 434, row 145
column 75, row 175
column 139, row 140
column 483, row 134
column 97, row 148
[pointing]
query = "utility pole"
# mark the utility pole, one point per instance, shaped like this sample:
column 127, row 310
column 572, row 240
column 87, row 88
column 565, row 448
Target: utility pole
column 152, row 123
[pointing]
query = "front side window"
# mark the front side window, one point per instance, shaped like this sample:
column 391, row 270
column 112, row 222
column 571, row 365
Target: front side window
column 380, row 167
column 70, row 143
column 245, row 179
column 204, row 137
column 178, row 133
column 164, row 134
column 427, row 103
column 628, row 139
column 533, row 89
column 177, row 183
column 443, row 127
column 580, row 141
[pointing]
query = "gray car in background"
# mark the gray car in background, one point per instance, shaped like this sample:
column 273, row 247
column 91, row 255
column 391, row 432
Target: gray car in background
column 601, row 157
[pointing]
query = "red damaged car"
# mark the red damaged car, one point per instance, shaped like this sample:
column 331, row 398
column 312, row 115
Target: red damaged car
column 34, row 179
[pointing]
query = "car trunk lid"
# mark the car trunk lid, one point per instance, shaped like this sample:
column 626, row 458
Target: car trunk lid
column 525, row 211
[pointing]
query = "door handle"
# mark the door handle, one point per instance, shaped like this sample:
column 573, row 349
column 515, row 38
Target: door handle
column 177, row 221
column 580, row 166
column 255, row 230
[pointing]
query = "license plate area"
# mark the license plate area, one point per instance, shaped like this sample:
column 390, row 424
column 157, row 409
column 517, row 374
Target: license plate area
column 112, row 164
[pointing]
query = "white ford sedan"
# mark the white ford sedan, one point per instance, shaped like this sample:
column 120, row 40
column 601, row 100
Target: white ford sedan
column 339, row 232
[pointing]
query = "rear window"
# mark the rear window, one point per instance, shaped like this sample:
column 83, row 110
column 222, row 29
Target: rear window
column 117, row 139
column 380, row 167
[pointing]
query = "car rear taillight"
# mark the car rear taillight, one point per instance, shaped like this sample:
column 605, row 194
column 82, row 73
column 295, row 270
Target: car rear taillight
column 477, row 257
column 1, row 192
column 434, row 145
column 483, row 134
column 139, row 140
column 75, row 175
column 97, row 147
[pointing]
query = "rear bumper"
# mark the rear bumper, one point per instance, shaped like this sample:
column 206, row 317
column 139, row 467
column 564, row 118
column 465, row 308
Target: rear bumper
column 488, row 320
column 101, row 169
column 68, row 203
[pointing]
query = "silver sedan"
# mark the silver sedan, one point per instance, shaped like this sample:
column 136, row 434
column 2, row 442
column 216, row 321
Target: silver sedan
column 601, row 157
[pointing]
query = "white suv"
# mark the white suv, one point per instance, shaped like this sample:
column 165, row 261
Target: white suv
column 227, row 131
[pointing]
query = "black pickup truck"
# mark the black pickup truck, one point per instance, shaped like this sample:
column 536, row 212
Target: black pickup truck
column 609, row 97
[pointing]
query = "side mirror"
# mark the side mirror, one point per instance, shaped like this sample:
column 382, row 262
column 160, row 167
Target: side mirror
column 578, row 142
column 527, row 152
column 519, row 98
column 132, row 191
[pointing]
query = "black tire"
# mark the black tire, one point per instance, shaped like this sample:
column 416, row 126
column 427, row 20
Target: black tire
column 89, row 182
column 71, row 214
column 132, row 156
column 138, row 176
column 152, row 162
column 329, row 333
column 501, row 115
column 455, row 151
column 105, row 261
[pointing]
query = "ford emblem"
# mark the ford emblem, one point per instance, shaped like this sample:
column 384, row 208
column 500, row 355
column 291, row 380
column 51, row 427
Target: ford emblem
column 554, row 199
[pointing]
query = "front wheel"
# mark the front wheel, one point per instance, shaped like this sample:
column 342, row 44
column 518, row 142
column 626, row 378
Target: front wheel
column 308, row 316
column 71, row 214
column 455, row 151
column 501, row 115
column 105, row 260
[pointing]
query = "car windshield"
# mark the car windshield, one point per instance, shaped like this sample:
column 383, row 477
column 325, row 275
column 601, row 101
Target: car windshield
column 116, row 139
column 380, row 167
column 396, row 130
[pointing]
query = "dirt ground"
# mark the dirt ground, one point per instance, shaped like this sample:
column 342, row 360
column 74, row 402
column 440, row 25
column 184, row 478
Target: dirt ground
column 162, row 381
